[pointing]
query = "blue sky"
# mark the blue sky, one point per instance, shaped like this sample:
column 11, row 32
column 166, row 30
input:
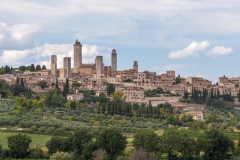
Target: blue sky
column 194, row 38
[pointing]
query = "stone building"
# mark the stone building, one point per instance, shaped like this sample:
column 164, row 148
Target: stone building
column 77, row 55
column 65, row 72
column 135, row 65
column 54, row 65
column 99, row 67
column 222, row 80
column 114, row 60
column 171, row 74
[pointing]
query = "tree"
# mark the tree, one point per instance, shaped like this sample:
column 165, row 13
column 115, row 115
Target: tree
column 81, row 138
column 56, row 86
column 75, row 85
column 18, row 145
column 38, row 68
column 44, row 67
column 4, row 89
column 188, row 146
column 54, row 145
column 60, row 156
column 32, row 68
column 16, row 89
column 113, row 142
column 110, row 89
column 215, row 144
column 22, row 68
column 178, row 79
column 89, row 149
column 42, row 84
column 147, row 140
column 66, row 88
column 169, row 142
column 141, row 154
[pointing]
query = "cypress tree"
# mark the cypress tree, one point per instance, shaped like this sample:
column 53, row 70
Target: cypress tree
column 57, row 84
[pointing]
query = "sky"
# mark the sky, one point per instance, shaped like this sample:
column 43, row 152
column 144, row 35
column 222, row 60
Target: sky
column 194, row 38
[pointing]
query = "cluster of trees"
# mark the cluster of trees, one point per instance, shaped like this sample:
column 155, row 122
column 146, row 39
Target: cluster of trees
column 32, row 68
column 155, row 92
column 109, row 143
column 17, row 89
column 6, row 70
column 212, row 144
column 18, row 148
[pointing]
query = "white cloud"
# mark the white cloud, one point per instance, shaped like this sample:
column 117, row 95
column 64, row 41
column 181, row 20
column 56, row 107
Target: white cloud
column 41, row 54
column 192, row 50
column 21, row 32
column 19, row 35
column 220, row 51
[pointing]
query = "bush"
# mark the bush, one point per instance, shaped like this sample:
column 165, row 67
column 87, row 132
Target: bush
column 60, row 156
column 33, row 128
column 42, row 129
column 36, row 154
column 50, row 130
column 59, row 132
column 238, row 126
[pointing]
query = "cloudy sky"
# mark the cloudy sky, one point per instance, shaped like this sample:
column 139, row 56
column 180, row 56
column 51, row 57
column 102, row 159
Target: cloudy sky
column 194, row 38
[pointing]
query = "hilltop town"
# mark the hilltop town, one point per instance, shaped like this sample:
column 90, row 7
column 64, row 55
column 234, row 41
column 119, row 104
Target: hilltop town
column 134, row 83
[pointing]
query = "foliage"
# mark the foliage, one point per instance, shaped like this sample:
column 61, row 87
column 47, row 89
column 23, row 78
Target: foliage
column 54, row 145
column 146, row 140
column 113, row 142
column 42, row 84
column 76, row 84
column 18, row 145
column 60, row 156
column 81, row 138
column 215, row 144
column 141, row 154
column 110, row 89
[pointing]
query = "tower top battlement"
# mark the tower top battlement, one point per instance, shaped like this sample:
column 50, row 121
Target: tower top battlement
column 77, row 42
column 114, row 51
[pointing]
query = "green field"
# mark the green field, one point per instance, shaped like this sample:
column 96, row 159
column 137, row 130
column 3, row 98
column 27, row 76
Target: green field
column 40, row 140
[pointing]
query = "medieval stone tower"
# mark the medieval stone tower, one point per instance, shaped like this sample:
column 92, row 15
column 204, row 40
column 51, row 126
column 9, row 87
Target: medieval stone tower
column 54, row 65
column 135, row 65
column 67, row 67
column 114, row 60
column 99, row 67
column 77, row 55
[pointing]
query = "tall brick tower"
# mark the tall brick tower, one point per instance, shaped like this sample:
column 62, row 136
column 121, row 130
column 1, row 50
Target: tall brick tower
column 67, row 67
column 77, row 55
column 99, row 66
column 114, row 60
column 135, row 65
column 54, row 65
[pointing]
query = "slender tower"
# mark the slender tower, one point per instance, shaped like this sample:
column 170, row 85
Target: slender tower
column 99, row 66
column 54, row 65
column 67, row 67
column 135, row 65
column 77, row 55
column 114, row 60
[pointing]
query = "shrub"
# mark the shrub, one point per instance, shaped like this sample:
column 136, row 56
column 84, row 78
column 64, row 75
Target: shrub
column 36, row 154
column 50, row 130
column 60, row 156
column 238, row 126
column 33, row 128
column 59, row 132
column 42, row 129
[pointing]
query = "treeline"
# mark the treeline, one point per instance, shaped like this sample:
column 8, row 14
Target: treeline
column 32, row 68
column 200, row 96
column 110, row 144
column 6, row 70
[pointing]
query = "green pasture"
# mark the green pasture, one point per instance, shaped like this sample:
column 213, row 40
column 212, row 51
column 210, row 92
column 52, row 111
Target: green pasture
column 40, row 140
